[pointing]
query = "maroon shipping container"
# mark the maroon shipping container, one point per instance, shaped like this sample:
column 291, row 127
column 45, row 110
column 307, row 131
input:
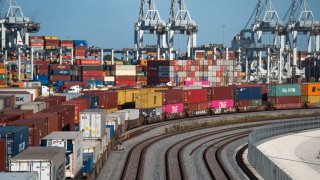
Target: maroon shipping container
column 37, row 129
column 2, row 155
column 195, row 96
column 125, row 83
column 23, row 114
column 197, row 107
column 69, row 115
column 52, row 100
column 6, row 118
column 42, row 69
column 286, row 102
column 79, row 104
column 60, row 78
column 92, row 78
column 60, row 67
column 222, row 93
column 107, row 99
column 63, row 115
column 125, row 78
column 172, row 96
column 52, row 119
column 92, row 73
column 141, row 78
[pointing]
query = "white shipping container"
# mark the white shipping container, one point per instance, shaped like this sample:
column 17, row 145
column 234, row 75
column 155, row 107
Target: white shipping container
column 102, row 143
column 112, row 120
column 126, row 72
column 109, row 78
column 33, row 91
column 92, row 123
column 32, row 84
column 125, row 67
column 35, row 106
column 73, row 155
column 120, row 117
column 92, row 147
column 22, row 98
column 48, row 162
column 131, row 114
column 19, row 175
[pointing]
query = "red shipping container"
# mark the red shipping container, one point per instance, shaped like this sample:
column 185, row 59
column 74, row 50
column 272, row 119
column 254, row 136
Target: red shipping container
column 37, row 129
column 52, row 120
column 60, row 67
column 23, row 114
column 61, row 114
column 222, row 93
column 172, row 96
column 141, row 78
column 125, row 83
column 42, row 69
column 36, row 37
column 60, row 78
column 6, row 118
column 3, row 145
column 66, row 43
column 195, row 96
column 91, row 78
column 69, row 112
column 89, row 62
column 285, row 100
column 41, row 62
column 80, row 54
column 92, row 73
column 81, row 48
column 107, row 99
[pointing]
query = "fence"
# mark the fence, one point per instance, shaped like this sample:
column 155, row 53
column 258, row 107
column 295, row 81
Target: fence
column 263, row 164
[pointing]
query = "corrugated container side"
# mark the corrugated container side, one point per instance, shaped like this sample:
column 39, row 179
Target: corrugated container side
column 87, row 165
column 92, row 123
column 172, row 96
column 222, row 93
column 148, row 100
column 245, row 93
column 284, row 90
column 195, row 96
column 2, row 155
column 310, row 89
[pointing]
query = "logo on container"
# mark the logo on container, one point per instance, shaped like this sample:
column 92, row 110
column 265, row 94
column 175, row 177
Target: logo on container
column 174, row 109
column 222, row 105
column 20, row 99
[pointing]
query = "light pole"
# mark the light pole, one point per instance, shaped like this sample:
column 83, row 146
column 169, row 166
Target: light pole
column 223, row 27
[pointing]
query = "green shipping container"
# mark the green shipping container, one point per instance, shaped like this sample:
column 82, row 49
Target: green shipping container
column 256, row 102
column 2, row 76
column 140, row 73
column 126, row 62
column 280, row 90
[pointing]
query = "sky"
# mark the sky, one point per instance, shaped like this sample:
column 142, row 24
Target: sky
column 109, row 23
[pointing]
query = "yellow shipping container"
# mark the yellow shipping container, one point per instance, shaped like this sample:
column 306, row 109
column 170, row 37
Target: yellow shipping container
column 126, row 95
column 51, row 37
column 310, row 89
column 310, row 99
column 113, row 110
column 148, row 100
column 154, row 89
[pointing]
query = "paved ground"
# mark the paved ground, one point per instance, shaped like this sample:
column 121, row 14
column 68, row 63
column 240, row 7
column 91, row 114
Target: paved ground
column 298, row 154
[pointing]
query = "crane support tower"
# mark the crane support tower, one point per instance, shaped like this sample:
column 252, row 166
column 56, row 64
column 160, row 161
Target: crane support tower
column 149, row 22
column 180, row 22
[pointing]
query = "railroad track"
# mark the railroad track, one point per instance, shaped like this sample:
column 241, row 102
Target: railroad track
column 242, row 165
column 174, row 163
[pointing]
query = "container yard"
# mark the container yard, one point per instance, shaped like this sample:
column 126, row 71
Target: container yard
column 66, row 106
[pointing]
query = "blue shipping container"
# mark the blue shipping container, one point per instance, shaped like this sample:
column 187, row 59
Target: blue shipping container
column 94, row 100
column 247, row 93
column 61, row 72
column 95, row 82
column 44, row 79
column 87, row 165
column 111, row 127
column 78, row 43
column 111, row 83
column 17, row 139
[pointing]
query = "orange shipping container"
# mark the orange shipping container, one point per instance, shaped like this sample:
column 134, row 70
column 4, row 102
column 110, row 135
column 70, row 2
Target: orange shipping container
column 310, row 89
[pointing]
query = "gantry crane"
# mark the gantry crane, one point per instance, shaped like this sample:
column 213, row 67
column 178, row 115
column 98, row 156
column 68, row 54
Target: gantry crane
column 180, row 22
column 15, row 29
column 301, row 21
column 149, row 22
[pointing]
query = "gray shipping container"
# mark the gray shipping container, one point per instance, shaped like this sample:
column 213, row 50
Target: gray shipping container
column 48, row 162
column 19, row 175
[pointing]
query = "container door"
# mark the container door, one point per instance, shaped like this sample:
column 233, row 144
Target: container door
column 85, row 124
column 96, row 125
column 19, row 166
column 43, row 169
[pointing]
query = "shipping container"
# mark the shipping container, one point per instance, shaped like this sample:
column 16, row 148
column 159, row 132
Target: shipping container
column 52, row 120
column 92, row 123
column 23, row 114
column 34, row 106
column 152, row 115
column 70, row 96
column 33, row 91
column 111, row 130
column 87, row 165
column 93, row 100
column 17, row 140
column 195, row 96
column 126, row 96
column 120, row 117
column 37, row 129
column 130, row 114
column 221, row 93
column 310, row 89
column 7, row 102
column 72, row 143
column 48, row 162
column 196, row 109
column 173, row 108
column 148, row 100
column 172, row 96
column 3, row 150
column 19, row 175
column 248, row 93
column 279, row 90
column 20, row 97
column 285, row 102
column 92, row 147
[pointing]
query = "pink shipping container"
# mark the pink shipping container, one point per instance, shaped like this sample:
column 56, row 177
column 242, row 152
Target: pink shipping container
column 172, row 108
column 197, row 83
column 220, row 104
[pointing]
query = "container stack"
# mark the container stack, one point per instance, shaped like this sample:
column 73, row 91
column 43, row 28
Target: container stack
column 310, row 94
column 195, row 101
column 80, row 48
column 94, row 75
column 125, row 75
column 221, row 99
column 62, row 72
column 284, row 96
column 7, row 102
column 37, row 42
column 51, row 42
column 248, row 98
column 141, row 76
column 3, row 75
column 172, row 103
column 149, row 104
column 72, row 143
